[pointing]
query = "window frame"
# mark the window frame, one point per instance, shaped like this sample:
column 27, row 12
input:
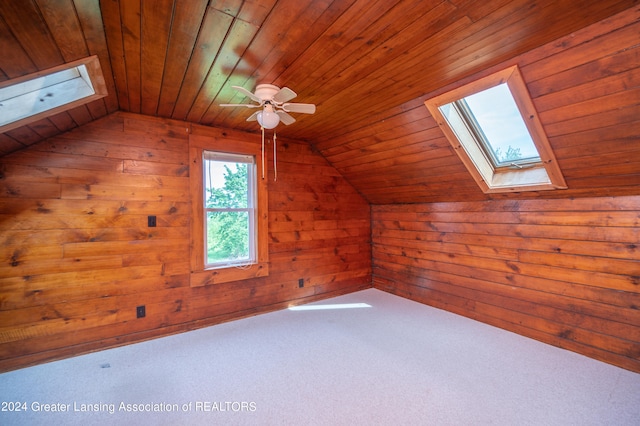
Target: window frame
column 251, row 208
column 538, row 176
column 89, row 72
column 202, row 275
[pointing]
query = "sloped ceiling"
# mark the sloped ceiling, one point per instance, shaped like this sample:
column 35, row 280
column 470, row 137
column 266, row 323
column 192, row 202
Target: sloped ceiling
column 368, row 66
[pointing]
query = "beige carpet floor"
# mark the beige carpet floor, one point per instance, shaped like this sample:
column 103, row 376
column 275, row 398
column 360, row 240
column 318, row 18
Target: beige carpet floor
column 366, row 358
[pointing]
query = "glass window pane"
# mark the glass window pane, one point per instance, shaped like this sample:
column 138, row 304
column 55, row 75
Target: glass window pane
column 499, row 119
column 227, row 237
column 227, row 184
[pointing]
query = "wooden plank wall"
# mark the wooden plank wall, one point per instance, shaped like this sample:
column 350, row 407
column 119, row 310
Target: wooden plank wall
column 77, row 257
column 565, row 272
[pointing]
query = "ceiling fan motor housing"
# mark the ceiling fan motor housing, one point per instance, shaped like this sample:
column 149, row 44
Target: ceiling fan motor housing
column 266, row 92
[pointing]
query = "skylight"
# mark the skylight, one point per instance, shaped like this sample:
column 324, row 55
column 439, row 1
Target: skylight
column 485, row 123
column 502, row 130
column 45, row 93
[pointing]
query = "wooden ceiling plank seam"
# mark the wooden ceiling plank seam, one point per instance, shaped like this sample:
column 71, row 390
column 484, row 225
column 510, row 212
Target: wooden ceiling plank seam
column 265, row 40
column 411, row 62
column 311, row 32
column 603, row 182
column 327, row 14
column 359, row 75
column 183, row 33
column 97, row 109
column 621, row 147
column 80, row 115
column 255, row 12
column 337, row 42
column 584, row 141
column 605, row 165
column 296, row 38
column 593, row 107
column 230, row 7
column 580, row 36
column 14, row 61
column 415, row 179
column 92, row 27
column 405, row 67
column 33, row 33
column 62, row 21
column 335, row 38
column 605, row 119
column 7, row 146
column 595, row 74
column 154, row 40
column 357, row 109
column 384, row 45
column 511, row 17
column 585, row 52
column 131, row 16
column 403, row 145
column 235, row 44
column 259, row 47
column 432, row 136
column 214, row 29
column 63, row 121
column 25, row 135
column 429, row 131
column 456, row 31
column 110, row 11
column 477, row 11
column 420, row 149
column 299, row 125
column 44, row 128
column 412, row 111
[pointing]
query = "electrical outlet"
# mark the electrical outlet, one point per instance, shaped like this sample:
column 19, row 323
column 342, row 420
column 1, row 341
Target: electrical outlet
column 151, row 221
column 301, row 283
column 141, row 312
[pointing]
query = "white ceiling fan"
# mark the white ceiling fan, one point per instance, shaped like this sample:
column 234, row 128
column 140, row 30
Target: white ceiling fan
column 274, row 105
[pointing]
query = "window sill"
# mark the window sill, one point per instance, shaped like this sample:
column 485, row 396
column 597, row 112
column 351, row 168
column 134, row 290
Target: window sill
column 224, row 275
column 531, row 179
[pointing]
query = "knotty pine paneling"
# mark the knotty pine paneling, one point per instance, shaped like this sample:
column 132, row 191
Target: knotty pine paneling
column 565, row 272
column 584, row 86
column 77, row 257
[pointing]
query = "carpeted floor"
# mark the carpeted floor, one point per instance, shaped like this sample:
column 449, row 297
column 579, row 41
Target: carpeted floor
column 366, row 358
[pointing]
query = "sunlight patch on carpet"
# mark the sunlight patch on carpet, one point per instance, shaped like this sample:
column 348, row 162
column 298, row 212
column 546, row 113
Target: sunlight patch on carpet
column 329, row 306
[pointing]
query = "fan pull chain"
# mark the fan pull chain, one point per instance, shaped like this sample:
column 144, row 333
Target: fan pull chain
column 275, row 161
column 262, row 151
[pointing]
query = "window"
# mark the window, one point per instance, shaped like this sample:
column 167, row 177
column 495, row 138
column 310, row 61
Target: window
column 229, row 206
column 33, row 97
column 494, row 128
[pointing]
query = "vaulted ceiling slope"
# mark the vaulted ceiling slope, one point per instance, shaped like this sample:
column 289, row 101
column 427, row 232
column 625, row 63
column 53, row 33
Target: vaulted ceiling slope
column 368, row 65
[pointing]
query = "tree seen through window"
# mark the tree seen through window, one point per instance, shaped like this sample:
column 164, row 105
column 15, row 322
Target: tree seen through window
column 229, row 208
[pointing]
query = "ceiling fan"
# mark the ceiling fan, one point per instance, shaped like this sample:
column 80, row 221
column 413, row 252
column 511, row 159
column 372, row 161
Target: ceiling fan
column 274, row 105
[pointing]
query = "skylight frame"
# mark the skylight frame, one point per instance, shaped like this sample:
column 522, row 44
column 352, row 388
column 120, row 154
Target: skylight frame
column 528, row 176
column 88, row 84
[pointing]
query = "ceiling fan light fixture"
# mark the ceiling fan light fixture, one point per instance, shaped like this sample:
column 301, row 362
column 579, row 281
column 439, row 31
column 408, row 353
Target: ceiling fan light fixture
column 268, row 118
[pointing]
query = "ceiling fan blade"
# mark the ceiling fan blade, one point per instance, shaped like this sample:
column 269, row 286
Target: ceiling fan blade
column 285, row 94
column 253, row 117
column 240, row 105
column 303, row 108
column 247, row 94
column 285, row 118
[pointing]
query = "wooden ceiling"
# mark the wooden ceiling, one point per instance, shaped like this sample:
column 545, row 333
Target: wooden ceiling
column 368, row 66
